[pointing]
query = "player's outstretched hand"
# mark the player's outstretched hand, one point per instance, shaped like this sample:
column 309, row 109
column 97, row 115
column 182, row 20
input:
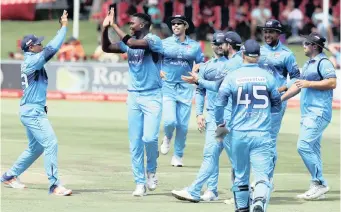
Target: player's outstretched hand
column 201, row 123
column 302, row 84
column 221, row 132
column 63, row 19
column 192, row 79
column 163, row 74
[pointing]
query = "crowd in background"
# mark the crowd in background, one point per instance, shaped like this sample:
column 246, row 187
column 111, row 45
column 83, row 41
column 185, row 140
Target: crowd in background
column 242, row 16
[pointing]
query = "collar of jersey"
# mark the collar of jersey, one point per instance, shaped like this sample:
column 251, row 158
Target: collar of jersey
column 186, row 41
column 275, row 47
column 29, row 53
column 249, row 64
column 317, row 57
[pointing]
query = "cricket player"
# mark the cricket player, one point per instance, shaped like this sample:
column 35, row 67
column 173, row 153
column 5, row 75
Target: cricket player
column 254, row 97
column 144, row 93
column 33, row 112
column 180, row 53
column 209, row 84
column 278, row 58
column 318, row 79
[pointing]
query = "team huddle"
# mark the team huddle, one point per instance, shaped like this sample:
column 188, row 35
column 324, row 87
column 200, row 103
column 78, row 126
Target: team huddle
column 245, row 90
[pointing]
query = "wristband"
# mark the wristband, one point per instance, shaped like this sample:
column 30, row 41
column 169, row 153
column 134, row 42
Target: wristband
column 125, row 39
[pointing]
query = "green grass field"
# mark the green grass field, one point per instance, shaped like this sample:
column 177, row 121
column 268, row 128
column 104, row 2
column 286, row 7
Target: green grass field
column 11, row 31
column 94, row 161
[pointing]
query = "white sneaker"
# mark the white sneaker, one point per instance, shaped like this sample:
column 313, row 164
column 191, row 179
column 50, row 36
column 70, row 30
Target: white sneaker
column 209, row 196
column 229, row 201
column 140, row 191
column 177, row 162
column 151, row 181
column 315, row 192
column 61, row 191
column 184, row 195
column 165, row 146
column 14, row 182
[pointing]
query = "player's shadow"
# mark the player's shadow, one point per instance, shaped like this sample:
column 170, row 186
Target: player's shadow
column 100, row 190
column 285, row 201
column 297, row 191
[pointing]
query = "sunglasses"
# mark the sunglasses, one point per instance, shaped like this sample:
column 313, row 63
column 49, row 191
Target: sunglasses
column 306, row 43
column 217, row 43
column 177, row 23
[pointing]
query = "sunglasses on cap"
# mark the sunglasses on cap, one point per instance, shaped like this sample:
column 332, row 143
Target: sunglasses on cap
column 178, row 23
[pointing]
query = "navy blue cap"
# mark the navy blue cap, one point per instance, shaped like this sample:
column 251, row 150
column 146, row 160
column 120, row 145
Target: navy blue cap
column 272, row 24
column 30, row 40
column 218, row 37
column 232, row 37
column 251, row 48
column 317, row 39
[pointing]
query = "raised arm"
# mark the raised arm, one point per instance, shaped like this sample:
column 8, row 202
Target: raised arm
column 107, row 46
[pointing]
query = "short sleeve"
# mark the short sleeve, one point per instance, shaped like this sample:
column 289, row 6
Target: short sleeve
column 154, row 42
column 327, row 69
column 200, row 58
column 123, row 47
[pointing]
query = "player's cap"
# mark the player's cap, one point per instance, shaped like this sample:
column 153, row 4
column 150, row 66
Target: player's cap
column 316, row 38
column 232, row 37
column 183, row 19
column 30, row 40
column 272, row 24
column 251, row 48
column 218, row 38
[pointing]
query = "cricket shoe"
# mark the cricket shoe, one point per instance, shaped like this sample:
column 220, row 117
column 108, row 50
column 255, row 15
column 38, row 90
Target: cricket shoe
column 177, row 162
column 165, row 146
column 184, row 195
column 258, row 208
column 229, row 201
column 61, row 191
column 209, row 196
column 140, row 191
column 152, row 181
column 315, row 192
column 12, row 182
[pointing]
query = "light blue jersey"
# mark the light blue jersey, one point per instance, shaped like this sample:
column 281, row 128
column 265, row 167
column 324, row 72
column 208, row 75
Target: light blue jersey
column 209, row 170
column 179, row 57
column 213, row 83
column 144, row 65
column 208, row 70
column 317, row 102
column 281, row 59
column 34, row 79
column 254, row 96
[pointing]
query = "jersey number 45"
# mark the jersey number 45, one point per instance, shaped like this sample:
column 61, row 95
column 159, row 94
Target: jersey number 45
column 258, row 97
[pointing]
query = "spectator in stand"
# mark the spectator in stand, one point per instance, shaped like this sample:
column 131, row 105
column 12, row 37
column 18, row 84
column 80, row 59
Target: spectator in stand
column 335, row 58
column 293, row 17
column 208, row 19
column 155, row 14
column 259, row 16
column 71, row 50
column 325, row 31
